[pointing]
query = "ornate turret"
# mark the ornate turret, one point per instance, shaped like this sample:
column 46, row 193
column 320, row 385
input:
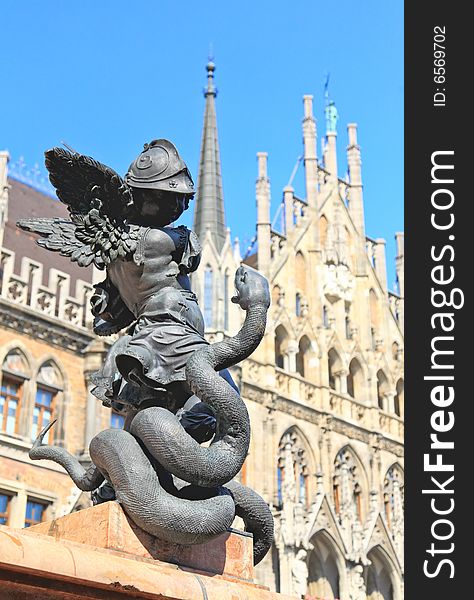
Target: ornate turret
column 332, row 117
column 209, row 208
column 310, row 158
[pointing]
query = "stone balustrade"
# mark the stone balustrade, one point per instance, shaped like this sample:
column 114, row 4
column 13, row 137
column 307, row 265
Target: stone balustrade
column 55, row 300
column 292, row 386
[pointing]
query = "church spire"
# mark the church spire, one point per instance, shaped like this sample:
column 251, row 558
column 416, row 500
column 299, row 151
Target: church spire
column 209, row 207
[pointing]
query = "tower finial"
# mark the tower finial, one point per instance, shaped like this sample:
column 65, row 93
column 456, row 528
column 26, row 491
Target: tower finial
column 209, row 203
column 210, row 68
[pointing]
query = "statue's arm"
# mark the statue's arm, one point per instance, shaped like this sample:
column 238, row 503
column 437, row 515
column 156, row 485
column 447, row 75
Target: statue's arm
column 191, row 256
column 109, row 310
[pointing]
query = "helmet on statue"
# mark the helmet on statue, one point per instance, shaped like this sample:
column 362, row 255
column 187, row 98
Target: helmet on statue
column 160, row 167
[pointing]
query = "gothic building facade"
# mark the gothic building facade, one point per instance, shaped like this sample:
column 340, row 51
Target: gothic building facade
column 324, row 390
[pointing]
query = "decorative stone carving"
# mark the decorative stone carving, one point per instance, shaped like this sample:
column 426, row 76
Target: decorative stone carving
column 299, row 573
column 357, row 589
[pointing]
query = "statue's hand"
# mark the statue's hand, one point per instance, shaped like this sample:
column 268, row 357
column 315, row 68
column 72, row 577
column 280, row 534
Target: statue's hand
column 252, row 288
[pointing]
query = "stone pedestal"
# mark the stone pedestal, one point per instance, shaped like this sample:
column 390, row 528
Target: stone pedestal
column 98, row 553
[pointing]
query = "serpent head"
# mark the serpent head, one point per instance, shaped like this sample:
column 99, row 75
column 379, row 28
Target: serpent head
column 251, row 287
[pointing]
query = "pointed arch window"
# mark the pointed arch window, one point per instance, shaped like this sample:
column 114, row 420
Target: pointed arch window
column 347, row 321
column 300, row 273
column 303, row 357
column 14, row 374
column 399, row 398
column 298, row 305
column 281, row 347
column 323, row 231
column 374, row 317
column 325, row 317
column 208, row 296
column 355, row 379
column 292, row 470
column 347, row 485
column 276, row 295
column 395, row 350
column 382, row 388
column 43, row 412
column 49, row 388
column 334, row 365
column 393, row 495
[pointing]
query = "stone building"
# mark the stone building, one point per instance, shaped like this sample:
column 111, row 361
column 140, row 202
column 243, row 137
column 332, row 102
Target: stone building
column 47, row 350
column 324, row 390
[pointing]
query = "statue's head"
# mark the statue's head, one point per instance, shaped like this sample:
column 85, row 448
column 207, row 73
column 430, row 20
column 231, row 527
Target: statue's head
column 161, row 182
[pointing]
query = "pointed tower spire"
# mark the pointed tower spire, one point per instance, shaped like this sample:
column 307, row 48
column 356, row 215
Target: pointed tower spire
column 209, row 207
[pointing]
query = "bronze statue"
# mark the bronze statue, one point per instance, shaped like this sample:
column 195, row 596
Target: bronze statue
column 172, row 386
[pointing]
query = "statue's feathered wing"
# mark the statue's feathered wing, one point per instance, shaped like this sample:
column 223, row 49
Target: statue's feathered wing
column 99, row 202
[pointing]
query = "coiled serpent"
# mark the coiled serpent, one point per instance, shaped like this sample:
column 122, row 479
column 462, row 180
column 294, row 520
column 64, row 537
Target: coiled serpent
column 138, row 462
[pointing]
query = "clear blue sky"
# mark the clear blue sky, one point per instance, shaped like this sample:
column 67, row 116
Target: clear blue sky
column 108, row 76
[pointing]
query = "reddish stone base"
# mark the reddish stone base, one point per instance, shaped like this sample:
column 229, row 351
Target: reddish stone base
column 98, row 553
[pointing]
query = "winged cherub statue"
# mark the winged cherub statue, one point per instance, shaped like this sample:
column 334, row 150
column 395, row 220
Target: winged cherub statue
column 123, row 226
column 172, row 386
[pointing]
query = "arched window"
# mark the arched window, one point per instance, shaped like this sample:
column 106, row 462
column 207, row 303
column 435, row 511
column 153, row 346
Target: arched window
column 374, row 317
column 347, row 320
column 281, row 347
column 323, row 572
column 49, row 384
column 276, row 293
column 325, row 317
column 292, row 470
column 382, row 389
column 300, row 273
column 399, row 400
column 303, row 358
column 355, row 379
column 208, row 296
column 14, row 374
column 348, row 485
column 393, row 495
column 379, row 584
column 334, row 366
column 395, row 349
column 298, row 305
column 323, row 231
